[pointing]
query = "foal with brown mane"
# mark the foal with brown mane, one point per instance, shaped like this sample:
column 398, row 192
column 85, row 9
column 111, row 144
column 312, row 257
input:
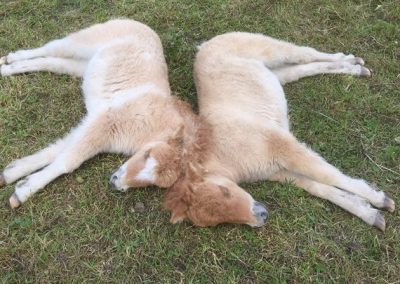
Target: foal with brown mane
column 129, row 110
column 242, row 135
column 239, row 78
column 128, row 102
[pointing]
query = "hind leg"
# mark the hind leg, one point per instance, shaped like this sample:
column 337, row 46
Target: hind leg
column 79, row 45
column 349, row 202
column 276, row 53
column 293, row 73
column 57, row 65
column 293, row 54
column 64, row 48
column 82, row 48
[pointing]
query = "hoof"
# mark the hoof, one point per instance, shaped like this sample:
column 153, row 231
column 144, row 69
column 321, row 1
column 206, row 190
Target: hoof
column 388, row 204
column 365, row 72
column 359, row 60
column 5, row 70
column 380, row 222
column 2, row 180
column 3, row 60
column 14, row 201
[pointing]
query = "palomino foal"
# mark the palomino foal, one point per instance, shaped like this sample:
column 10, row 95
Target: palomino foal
column 239, row 78
column 129, row 110
column 128, row 102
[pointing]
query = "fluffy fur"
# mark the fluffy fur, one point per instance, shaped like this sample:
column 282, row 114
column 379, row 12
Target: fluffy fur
column 239, row 78
column 242, row 133
column 129, row 108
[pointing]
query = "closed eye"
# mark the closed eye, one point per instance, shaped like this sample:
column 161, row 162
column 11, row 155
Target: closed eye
column 225, row 191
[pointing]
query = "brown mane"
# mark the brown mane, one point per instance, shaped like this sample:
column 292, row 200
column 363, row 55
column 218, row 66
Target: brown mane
column 178, row 199
column 195, row 151
column 198, row 139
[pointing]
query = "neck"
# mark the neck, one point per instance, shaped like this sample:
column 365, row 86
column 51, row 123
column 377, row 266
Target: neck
column 198, row 144
column 197, row 136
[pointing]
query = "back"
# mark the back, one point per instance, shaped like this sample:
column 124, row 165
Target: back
column 132, row 57
column 232, row 88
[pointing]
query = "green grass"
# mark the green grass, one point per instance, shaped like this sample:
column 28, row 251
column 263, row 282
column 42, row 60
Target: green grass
column 77, row 229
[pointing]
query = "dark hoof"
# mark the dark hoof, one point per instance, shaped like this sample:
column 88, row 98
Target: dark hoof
column 388, row 204
column 2, row 180
column 14, row 201
column 380, row 222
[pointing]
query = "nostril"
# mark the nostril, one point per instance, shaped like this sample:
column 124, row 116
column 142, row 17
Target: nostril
column 263, row 214
column 113, row 179
column 260, row 210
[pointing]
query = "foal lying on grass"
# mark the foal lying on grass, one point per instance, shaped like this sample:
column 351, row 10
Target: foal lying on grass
column 244, row 137
column 128, row 102
column 129, row 110
column 239, row 78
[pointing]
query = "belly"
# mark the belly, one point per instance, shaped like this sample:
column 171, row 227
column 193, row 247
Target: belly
column 243, row 150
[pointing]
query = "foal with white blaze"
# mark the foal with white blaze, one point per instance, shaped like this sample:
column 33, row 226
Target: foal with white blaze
column 129, row 108
column 239, row 78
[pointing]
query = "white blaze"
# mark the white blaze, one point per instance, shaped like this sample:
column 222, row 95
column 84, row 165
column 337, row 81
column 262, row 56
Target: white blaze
column 147, row 173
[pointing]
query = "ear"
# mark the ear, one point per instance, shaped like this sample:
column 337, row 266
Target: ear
column 194, row 173
column 225, row 191
column 176, row 218
column 167, row 178
column 177, row 201
column 147, row 154
column 176, row 139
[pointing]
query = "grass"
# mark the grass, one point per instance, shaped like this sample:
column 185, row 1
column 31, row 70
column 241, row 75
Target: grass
column 78, row 230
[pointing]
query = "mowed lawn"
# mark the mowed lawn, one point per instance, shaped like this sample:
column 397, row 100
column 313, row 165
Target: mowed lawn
column 79, row 230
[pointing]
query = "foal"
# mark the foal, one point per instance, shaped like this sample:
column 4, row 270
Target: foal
column 239, row 78
column 128, row 102
column 129, row 110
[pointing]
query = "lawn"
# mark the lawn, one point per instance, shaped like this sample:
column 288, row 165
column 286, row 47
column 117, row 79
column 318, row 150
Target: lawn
column 79, row 230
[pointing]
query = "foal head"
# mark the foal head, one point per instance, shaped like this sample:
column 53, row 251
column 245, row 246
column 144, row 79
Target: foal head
column 161, row 163
column 157, row 163
column 212, row 200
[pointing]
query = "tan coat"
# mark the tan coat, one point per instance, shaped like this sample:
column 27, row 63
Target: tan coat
column 239, row 78
column 129, row 108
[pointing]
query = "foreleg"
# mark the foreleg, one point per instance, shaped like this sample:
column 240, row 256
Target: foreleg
column 27, row 165
column 87, row 140
column 297, row 158
column 348, row 201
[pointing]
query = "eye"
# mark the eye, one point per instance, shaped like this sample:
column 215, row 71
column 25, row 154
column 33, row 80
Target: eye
column 225, row 191
column 147, row 154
